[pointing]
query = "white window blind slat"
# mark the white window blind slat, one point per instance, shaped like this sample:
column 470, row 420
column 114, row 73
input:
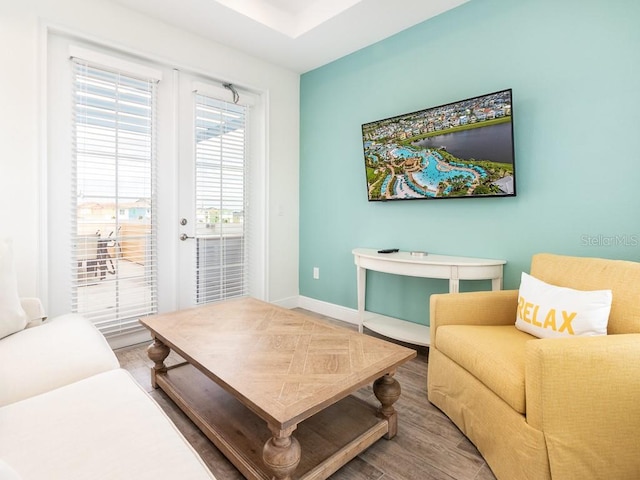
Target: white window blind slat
column 113, row 259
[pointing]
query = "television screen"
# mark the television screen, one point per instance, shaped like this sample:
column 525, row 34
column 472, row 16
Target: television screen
column 461, row 149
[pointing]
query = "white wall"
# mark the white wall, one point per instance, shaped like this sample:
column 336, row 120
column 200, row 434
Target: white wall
column 23, row 32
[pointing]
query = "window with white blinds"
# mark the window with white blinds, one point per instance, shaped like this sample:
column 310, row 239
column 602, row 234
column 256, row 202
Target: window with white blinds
column 113, row 197
column 220, row 199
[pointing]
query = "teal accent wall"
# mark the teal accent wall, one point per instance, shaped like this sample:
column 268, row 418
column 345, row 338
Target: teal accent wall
column 574, row 68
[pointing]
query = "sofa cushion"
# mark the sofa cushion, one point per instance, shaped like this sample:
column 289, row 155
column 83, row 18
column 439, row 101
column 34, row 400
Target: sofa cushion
column 63, row 350
column 549, row 311
column 493, row 354
column 12, row 317
column 105, row 427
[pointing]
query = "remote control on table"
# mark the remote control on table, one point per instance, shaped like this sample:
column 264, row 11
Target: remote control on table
column 388, row 250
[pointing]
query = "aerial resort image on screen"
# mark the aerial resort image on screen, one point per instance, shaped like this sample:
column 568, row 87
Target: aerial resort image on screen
column 462, row 149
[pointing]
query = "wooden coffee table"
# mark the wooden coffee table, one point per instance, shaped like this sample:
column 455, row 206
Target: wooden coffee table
column 271, row 387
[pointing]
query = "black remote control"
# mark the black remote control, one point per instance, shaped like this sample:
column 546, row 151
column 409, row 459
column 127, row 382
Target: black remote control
column 388, row 250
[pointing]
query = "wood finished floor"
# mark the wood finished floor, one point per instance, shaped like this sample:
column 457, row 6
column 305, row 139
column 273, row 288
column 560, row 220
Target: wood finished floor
column 428, row 445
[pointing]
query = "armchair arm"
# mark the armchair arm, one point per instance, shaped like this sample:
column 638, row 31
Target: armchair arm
column 34, row 310
column 472, row 308
column 584, row 395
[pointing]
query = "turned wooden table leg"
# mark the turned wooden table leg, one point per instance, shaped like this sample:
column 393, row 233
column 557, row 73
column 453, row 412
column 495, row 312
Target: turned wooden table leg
column 387, row 391
column 157, row 352
column 281, row 453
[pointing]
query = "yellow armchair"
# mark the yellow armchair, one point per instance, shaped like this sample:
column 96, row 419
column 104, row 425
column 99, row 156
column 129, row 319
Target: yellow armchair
column 562, row 408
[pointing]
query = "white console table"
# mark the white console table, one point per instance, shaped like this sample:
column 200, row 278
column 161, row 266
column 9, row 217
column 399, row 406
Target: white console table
column 428, row 266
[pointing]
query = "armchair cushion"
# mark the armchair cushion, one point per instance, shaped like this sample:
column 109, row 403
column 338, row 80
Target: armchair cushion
column 12, row 317
column 471, row 347
column 549, row 311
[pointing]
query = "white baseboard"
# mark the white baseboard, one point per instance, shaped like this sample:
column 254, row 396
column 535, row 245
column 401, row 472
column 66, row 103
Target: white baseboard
column 332, row 310
column 121, row 341
column 290, row 302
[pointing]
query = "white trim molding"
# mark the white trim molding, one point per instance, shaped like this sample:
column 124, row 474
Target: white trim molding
column 349, row 315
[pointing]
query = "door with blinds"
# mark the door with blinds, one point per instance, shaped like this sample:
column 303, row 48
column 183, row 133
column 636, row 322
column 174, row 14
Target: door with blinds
column 113, row 192
column 215, row 255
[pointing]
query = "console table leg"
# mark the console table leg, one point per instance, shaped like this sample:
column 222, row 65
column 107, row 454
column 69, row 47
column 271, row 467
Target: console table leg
column 361, row 277
column 157, row 352
column 281, row 454
column 387, row 391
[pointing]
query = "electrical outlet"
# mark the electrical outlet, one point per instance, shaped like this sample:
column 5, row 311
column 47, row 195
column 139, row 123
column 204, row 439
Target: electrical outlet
column 316, row 273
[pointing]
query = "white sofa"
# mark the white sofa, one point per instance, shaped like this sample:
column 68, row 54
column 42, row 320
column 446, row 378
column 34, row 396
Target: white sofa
column 68, row 411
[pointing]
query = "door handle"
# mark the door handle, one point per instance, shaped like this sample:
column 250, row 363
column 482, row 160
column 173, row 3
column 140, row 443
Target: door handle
column 184, row 236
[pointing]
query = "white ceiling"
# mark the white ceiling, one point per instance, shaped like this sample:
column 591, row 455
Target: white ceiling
column 296, row 34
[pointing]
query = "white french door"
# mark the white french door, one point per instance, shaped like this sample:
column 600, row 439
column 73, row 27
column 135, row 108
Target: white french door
column 202, row 223
column 219, row 254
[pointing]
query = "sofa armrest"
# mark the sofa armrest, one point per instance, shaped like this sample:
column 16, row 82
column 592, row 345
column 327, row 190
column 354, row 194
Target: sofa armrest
column 584, row 394
column 472, row 308
column 34, row 310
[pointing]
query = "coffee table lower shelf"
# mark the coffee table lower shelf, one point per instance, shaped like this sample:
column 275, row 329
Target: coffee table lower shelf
column 328, row 440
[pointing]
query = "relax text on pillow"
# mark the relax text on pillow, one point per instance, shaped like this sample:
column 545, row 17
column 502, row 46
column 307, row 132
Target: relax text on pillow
column 528, row 312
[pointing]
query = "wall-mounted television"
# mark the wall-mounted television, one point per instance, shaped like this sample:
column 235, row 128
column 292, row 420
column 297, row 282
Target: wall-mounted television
column 458, row 150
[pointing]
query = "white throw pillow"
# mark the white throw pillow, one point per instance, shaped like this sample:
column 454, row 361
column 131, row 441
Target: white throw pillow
column 12, row 317
column 548, row 311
